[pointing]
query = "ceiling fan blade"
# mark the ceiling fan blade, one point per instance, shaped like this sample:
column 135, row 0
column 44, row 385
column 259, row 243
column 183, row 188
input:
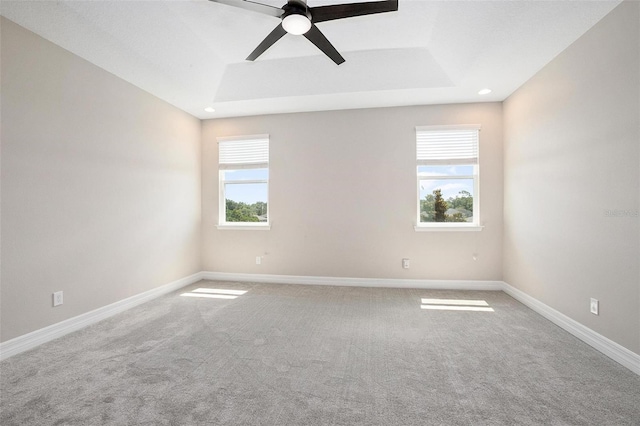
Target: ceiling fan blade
column 315, row 36
column 349, row 10
column 273, row 36
column 255, row 7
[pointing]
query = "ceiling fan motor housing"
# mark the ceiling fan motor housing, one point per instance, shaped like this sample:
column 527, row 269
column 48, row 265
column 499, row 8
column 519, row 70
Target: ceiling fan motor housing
column 295, row 7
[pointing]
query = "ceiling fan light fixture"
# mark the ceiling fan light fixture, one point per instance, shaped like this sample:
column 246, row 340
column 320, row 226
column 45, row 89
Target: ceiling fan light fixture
column 296, row 24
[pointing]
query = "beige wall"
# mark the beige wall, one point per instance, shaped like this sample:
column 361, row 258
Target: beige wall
column 572, row 153
column 343, row 197
column 100, row 186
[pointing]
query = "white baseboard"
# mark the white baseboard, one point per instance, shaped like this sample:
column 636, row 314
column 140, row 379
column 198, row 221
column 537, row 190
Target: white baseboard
column 611, row 349
column 46, row 334
column 608, row 347
column 355, row 282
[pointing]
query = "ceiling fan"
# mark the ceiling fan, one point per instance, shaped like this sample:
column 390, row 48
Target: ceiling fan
column 300, row 19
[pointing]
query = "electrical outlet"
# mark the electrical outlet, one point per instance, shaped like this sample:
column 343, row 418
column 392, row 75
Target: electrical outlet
column 595, row 305
column 57, row 298
column 405, row 263
column 258, row 260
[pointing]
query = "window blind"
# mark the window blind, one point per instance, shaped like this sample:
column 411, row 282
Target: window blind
column 447, row 146
column 244, row 153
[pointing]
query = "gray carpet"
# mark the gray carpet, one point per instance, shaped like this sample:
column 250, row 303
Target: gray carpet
column 316, row 355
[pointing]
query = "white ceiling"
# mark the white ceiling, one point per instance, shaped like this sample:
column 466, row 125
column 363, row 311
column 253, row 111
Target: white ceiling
column 191, row 52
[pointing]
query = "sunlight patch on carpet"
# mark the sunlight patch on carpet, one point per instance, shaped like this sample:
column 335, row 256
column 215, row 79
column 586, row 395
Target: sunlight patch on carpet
column 214, row 293
column 455, row 305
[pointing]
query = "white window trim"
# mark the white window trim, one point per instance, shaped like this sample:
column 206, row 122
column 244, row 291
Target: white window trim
column 448, row 228
column 241, row 226
column 244, row 226
column 451, row 226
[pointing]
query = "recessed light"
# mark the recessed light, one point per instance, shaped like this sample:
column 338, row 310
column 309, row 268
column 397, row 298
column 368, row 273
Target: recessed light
column 210, row 109
column 484, row 92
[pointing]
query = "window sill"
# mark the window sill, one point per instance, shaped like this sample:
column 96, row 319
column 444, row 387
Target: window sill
column 436, row 228
column 244, row 227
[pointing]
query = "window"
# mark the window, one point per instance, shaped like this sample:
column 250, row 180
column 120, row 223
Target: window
column 447, row 170
column 244, row 181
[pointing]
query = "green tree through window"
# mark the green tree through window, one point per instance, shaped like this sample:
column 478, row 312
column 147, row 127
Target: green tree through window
column 434, row 208
column 243, row 212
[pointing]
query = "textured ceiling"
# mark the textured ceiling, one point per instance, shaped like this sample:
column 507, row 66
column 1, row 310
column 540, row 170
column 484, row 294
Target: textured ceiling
column 191, row 52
